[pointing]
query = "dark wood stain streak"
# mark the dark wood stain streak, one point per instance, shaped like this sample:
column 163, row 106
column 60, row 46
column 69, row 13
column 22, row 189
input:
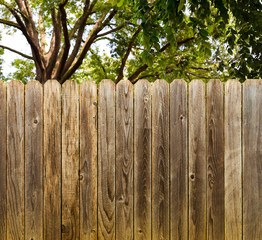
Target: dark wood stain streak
column 106, row 160
column 52, row 160
column 252, row 155
column 15, row 160
column 160, row 160
column 124, row 160
column 197, row 160
column 33, row 160
column 70, row 160
column 88, row 160
column 142, row 160
column 178, row 161
column 3, row 163
column 215, row 161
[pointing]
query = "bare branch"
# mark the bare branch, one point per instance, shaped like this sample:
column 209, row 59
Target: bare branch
column 90, row 39
column 67, row 41
column 124, row 60
column 10, row 23
column 42, row 31
column 17, row 52
column 111, row 31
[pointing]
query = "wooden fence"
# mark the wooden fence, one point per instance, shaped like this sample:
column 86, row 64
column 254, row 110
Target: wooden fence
column 140, row 162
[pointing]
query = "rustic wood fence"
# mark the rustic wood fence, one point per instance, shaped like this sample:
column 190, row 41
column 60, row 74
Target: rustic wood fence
column 130, row 161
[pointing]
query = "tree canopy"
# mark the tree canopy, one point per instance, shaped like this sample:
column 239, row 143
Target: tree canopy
column 147, row 39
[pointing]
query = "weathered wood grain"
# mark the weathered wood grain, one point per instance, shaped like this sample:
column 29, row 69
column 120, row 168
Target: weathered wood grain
column 160, row 160
column 124, row 160
column 252, row 155
column 215, row 161
column 70, row 160
column 15, row 160
column 34, row 160
column 178, row 161
column 106, row 160
column 142, row 160
column 3, row 187
column 197, row 160
column 52, row 160
column 233, row 163
column 88, row 160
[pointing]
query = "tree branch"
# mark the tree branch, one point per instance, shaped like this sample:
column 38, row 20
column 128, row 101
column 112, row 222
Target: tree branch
column 67, row 41
column 111, row 31
column 145, row 66
column 90, row 39
column 17, row 52
column 124, row 60
column 10, row 23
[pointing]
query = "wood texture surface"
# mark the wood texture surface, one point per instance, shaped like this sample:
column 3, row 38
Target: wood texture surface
column 252, row 155
column 3, row 187
column 88, row 160
column 233, row 162
column 124, row 160
column 52, row 160
column 178, row 161
column 142, row 160
column 33, row 160
column 106, row 160
column 160, row 160
column 70, row 160
column 215, row 161
column 197, row 160
column 15, row 160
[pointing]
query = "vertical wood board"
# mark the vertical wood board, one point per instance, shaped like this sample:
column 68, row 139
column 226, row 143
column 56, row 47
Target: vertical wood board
column 142, row 160
column 178, row 161
column 88, row 160
column 197, row 160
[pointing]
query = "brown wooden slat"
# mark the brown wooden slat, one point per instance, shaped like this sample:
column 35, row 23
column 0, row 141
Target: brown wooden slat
column 197, row 160
column 124, row 160
column 88, row 160
column 160, row 160
column 106, row 160
column 70, row 160
column 3, row 187
column 178, row 161
column 15, row 160
column 215, row 161
column 52, row 160
column 34, row 160
column 252, row 163
column 142, row 160
column 233, row 164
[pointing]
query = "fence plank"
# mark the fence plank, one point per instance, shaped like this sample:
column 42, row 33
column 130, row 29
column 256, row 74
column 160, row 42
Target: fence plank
column 160, row 160
column 252, row 155
column 142, row 160
column 70, row 160
column 52, row 160
column 33, row 160
column 106, row 160
column 178, row 161
column 88, row 160
column 215, row 161
column 124, row 160
column 15, row 160
column 197, row 160
column 233, row 176
column 3, row 187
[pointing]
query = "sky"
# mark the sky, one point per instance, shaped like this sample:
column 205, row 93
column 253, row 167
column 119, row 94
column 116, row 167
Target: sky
column 16, row 41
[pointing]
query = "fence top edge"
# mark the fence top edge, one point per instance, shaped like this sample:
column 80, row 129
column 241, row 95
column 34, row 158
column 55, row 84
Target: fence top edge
column 54, row 81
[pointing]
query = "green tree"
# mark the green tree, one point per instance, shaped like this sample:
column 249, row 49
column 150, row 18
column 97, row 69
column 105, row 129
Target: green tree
column 148, row 39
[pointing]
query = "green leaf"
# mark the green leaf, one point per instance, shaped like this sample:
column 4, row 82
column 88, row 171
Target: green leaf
column 181, row 5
